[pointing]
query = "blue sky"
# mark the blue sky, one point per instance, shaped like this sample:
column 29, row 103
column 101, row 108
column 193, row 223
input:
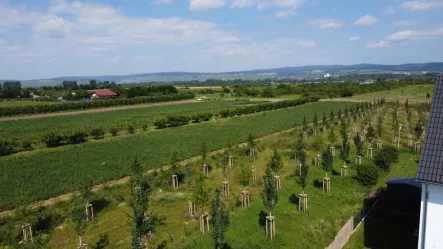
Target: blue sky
column 49, row 38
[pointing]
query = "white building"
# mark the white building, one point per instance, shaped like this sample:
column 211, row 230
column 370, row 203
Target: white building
column 430, row 173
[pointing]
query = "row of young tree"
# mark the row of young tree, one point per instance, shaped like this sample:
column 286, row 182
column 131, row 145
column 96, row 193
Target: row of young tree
column 71, row 106
column 179, row 120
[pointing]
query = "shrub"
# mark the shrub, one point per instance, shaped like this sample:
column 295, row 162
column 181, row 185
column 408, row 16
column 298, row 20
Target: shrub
column 131, row 129
column 161, row 123
column 367, row 174
column 113, row 130
column 386, row 157
column 52, row 139
column 175, row 121
column 6, row 147
column 97, row 133
column 26, row 144
column 77, row 137
column 145, row 126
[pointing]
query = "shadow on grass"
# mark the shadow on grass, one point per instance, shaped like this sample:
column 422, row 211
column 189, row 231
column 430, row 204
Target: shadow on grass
column 100, row 204
column 318, row 184
column 262, row 218
column 335, row 173
column 293, row 199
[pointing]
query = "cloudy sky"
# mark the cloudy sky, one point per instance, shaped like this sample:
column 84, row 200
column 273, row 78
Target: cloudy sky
column 49, row 38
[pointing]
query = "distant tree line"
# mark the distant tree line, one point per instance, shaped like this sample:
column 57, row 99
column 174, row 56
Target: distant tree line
column 69, row 106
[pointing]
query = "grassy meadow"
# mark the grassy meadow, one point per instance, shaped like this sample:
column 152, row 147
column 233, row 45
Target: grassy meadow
column 414, row 93
column 50, row 172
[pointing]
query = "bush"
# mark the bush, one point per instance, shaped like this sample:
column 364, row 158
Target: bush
column 131, row 129
column 6, row 147
column 367, row 174
column 113, row 130
column 52, row 139
column 97, row 133
column 26, row 144
column 145, row 126
column 77, row 137
column 175, row 121
column 161, row 123
column 386, row 157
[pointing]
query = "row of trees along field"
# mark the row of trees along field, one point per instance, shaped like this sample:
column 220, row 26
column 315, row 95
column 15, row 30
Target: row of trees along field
column 143, row 222
column 55, row 139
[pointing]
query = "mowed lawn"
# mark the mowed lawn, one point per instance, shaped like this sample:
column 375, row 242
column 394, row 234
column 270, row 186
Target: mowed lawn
column 50, row 172
column 34, row 127
column 412, row 93
column 12, row 103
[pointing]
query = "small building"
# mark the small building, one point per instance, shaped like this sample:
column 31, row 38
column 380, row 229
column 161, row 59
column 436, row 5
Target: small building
column 430, row 174
column 103, row 93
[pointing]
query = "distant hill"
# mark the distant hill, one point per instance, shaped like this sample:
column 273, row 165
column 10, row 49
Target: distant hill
column 306, row 72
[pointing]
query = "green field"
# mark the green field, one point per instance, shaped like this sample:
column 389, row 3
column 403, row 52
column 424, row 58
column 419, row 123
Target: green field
column 12, row 103
column 412, row 93
column 47, row 173
column 315, row 228
column 32, row 127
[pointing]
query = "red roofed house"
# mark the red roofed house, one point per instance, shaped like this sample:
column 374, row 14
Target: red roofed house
column 103, row 93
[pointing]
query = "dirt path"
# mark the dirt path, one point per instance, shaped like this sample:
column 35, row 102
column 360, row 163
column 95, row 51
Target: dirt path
column 67, row 196
column 107, row 109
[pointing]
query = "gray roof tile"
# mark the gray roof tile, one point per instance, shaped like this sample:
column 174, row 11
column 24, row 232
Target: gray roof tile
column 430, row 168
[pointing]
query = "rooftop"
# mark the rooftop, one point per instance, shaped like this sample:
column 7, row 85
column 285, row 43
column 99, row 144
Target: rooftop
column 430, row 168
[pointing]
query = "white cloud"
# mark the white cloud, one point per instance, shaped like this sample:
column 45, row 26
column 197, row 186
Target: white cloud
column 366, row 20
column 228, row 39
column 278, row 47
column 114, row 59
column 53, row 26
column 242, row 3
column 293, row 4
column 162, row 1
column 53, row 59
column 354, row 38
column 326, row 23
column 262, row 4
column 389, row 10
column 202, row 5
column 404, row 23
column 284, row 13
column 24, row 55
column 421, row 5
column 380, row 44
column 416, row 35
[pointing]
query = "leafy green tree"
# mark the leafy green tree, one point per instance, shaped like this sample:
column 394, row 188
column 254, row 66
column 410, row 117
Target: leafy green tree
column 305, row 123
column 419, row 129
column 220, row 220
column 327, row 161
column 367, row 174
column 202, row 193
column 358, row 143
column 303, row 176
column 140, row 190
column 370, row 134
column 380, row 121
column 174, row 162
column 204, row 151
column 386, row 157
column 6, row 146
column 78, row 216
column 331, row 115
column 325, row 119
column 315, row 120
column 269, row 193
column 332, row 137
column 275, row 164
column 243, row 175
column 11, row 89
column 317, row 143
column 251, row 142
column 428, row 96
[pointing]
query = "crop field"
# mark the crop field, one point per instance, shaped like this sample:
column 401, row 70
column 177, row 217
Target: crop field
column 32, row 127
column 50, row 172
column 11, row 103
column 315, row 228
